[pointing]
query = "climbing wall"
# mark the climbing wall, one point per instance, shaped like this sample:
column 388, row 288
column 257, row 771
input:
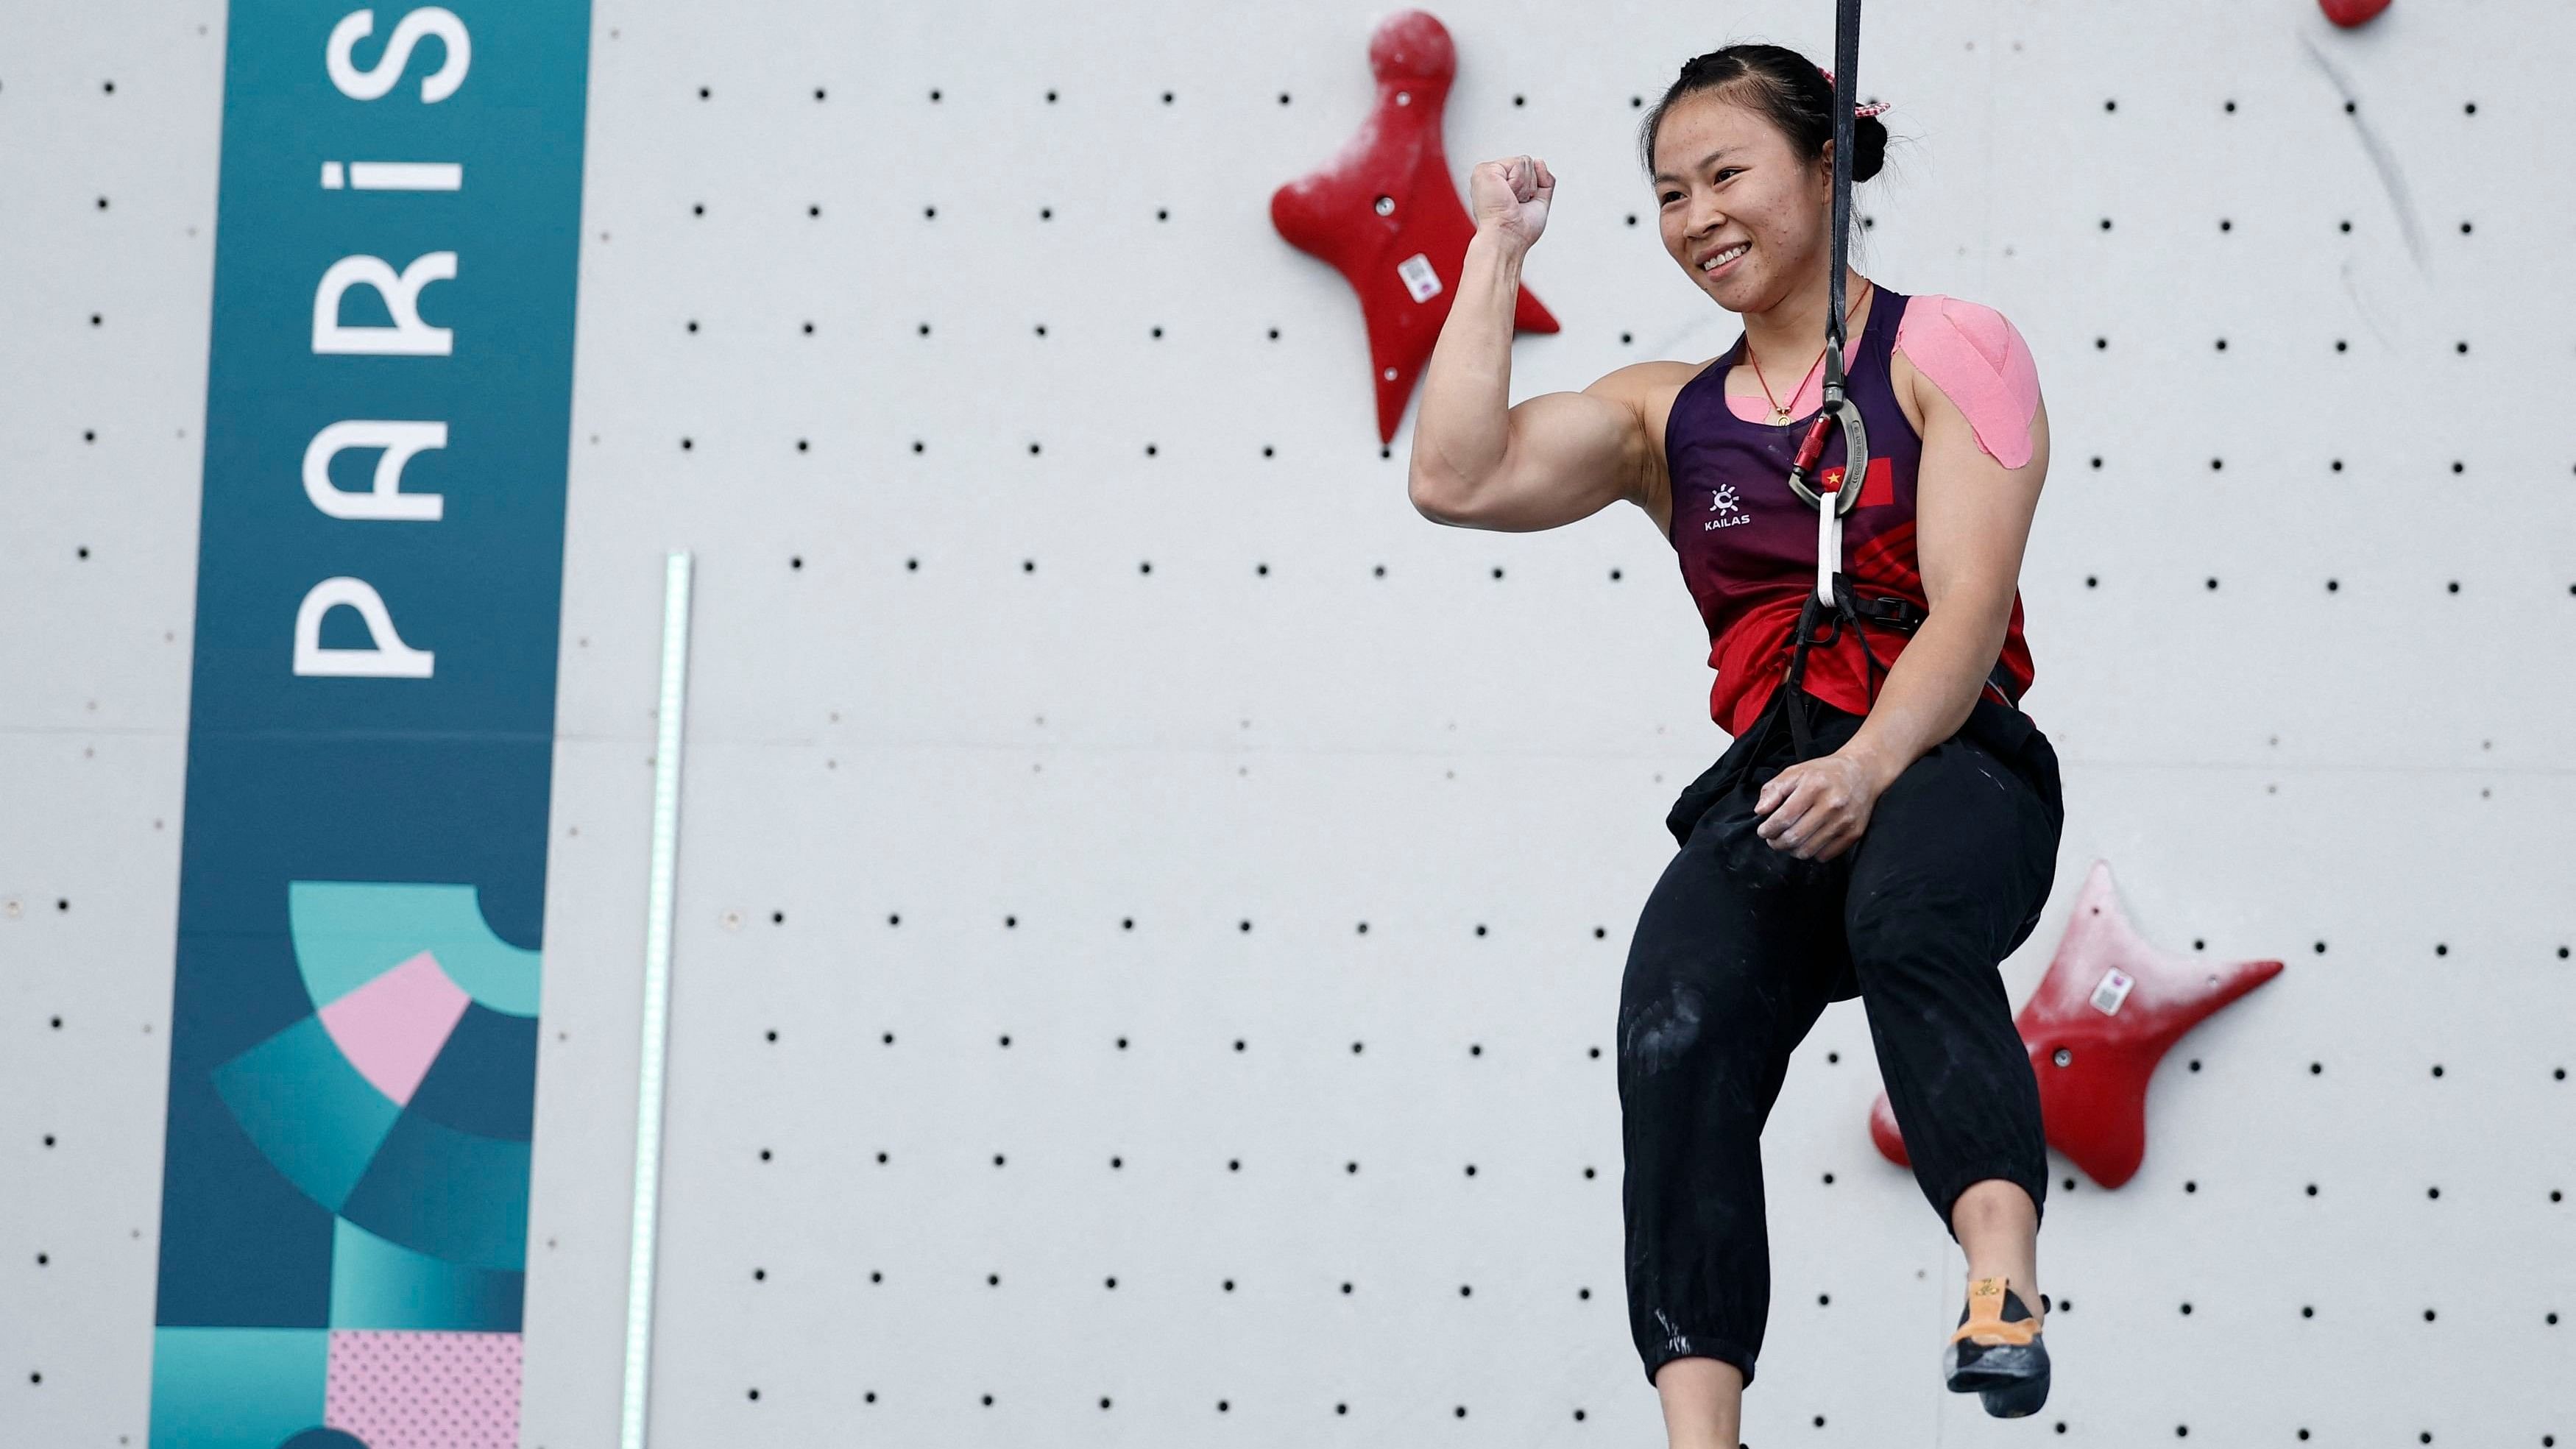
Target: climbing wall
column 1151, row 906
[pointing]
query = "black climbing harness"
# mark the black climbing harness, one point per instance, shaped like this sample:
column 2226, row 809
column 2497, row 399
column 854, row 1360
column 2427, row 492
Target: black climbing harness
column 1833, row 602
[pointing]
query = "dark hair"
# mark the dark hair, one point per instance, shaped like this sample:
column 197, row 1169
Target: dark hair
column 1784, row 86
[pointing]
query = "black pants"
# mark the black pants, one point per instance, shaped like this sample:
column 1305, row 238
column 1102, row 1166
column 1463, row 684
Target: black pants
column 1741, row 946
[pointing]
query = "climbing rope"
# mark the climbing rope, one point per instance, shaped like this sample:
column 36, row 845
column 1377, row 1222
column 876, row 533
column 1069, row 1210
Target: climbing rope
column 1825, row 605
column 1833, row 603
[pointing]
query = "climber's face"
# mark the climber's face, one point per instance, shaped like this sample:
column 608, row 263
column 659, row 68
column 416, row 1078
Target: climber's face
column 1745, row 217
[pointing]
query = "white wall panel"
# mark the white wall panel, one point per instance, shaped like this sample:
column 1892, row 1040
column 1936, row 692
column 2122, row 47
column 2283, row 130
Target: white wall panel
column 960, row 768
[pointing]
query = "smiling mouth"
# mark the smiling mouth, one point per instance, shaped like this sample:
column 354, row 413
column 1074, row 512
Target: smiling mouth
column 1722, row 259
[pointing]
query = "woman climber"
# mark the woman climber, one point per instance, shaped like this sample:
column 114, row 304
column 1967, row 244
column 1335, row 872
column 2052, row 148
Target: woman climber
column 1885, row 822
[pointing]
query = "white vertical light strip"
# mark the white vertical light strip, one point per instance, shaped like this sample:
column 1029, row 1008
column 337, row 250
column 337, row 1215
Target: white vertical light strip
column 657, row 991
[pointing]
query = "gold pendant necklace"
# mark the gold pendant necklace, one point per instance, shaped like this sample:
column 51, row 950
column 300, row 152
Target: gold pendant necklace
column 1779, row 414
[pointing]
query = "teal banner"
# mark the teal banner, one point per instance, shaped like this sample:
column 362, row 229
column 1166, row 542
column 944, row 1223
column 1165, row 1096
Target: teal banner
column 370, row 738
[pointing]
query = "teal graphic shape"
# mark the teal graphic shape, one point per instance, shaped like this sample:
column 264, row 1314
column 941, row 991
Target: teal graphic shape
column 348, row 933
column 310, row 1113
column 414, row 1182
column 446, row 1193
column 380, row 1285
column 236, row 1388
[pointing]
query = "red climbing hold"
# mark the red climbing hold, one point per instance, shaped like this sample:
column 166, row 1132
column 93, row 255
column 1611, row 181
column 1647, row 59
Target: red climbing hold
column 2349, row 13
column 2111, row 1004
column 1387, row 216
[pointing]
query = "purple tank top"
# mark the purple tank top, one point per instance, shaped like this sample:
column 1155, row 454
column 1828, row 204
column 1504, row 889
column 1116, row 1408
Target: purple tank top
column 1746, row 542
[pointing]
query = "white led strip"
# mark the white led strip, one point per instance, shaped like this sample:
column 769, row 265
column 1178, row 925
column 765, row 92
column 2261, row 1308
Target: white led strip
column 657, row 990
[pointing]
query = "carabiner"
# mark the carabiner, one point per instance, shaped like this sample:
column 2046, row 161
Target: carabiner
column 1829, row 521
column 1838, row 408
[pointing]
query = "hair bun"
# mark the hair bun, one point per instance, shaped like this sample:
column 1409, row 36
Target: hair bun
column 1869, row 147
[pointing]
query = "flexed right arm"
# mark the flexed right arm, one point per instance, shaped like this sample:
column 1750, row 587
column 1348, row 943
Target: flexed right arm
column 1561, row 456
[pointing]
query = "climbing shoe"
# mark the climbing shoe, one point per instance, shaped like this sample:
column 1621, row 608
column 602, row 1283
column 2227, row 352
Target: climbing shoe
column 1996, row 1352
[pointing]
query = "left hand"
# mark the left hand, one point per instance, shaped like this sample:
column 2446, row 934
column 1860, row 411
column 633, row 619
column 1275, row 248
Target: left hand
column 1817, row 808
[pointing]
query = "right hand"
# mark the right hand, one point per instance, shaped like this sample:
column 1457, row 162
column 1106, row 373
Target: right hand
column 1509, row 198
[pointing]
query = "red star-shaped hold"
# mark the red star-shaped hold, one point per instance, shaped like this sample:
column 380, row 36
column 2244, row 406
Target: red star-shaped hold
column 2351, row 13
column 1387, row 216
column 2101, row 1019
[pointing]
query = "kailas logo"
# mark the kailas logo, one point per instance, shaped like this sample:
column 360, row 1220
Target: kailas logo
column 1722, row 501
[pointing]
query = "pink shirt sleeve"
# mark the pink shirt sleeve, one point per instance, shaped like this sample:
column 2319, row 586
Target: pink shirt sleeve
column 1980, row 363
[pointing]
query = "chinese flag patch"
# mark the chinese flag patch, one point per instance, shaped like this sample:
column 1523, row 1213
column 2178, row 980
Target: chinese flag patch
column 1878, row 485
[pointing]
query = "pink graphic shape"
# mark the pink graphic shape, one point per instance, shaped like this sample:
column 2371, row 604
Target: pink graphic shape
column 391, row 1029
column 398, row 1390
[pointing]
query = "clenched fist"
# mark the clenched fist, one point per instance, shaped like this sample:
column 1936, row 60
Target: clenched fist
column 1509, row 198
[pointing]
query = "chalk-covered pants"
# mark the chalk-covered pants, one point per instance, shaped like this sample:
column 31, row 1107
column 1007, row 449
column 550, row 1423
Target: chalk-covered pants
column 1740, row 948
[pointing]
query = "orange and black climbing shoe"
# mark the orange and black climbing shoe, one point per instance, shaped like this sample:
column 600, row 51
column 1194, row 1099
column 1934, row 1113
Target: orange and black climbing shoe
column 1996, row 1352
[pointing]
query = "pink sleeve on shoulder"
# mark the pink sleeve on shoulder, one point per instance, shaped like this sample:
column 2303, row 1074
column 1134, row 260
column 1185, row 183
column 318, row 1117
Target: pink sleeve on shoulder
column 1979, row 362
